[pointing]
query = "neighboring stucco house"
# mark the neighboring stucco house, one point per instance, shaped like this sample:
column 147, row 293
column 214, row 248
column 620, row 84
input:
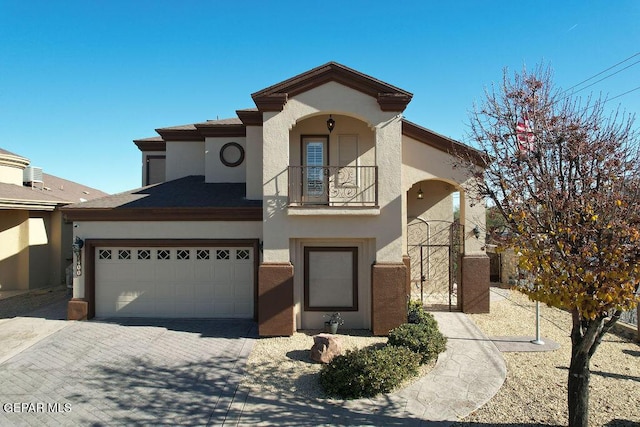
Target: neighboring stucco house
column 35, row 241
column 290, row 211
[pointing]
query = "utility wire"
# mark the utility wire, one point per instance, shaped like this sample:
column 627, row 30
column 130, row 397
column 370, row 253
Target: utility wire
column 623, row 94
column 602, row 72
column 604, row 78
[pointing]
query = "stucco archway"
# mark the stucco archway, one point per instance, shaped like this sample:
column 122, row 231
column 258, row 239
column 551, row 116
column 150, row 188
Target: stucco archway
column 445, row 248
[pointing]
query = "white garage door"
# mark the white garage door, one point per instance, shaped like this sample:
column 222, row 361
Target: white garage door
column 174, row 282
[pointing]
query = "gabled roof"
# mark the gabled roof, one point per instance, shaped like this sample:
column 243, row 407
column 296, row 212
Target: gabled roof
column 188, row 198
column 390, row 98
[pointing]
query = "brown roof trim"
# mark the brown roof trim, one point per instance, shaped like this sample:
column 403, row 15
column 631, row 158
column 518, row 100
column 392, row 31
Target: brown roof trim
column 164, row 214
column 199, row 131
column 216, row 130
column 180, row 134
column 151, row 144
column 390, row 98
column 250, row 117
column 442, row 143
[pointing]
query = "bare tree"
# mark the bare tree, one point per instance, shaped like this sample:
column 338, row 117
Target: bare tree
column 566, row 177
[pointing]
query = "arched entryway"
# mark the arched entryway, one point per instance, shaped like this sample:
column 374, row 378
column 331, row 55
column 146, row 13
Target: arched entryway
column 435, row 244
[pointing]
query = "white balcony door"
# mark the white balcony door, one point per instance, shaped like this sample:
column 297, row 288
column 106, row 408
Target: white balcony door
column 315, row 158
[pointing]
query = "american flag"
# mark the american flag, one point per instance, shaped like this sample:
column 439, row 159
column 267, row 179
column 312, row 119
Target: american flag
column 525, row 135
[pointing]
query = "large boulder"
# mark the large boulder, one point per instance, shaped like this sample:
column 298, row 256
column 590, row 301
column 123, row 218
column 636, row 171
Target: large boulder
column 325, row 348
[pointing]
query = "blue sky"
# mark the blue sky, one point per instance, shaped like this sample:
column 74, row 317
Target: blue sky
column 79, row 80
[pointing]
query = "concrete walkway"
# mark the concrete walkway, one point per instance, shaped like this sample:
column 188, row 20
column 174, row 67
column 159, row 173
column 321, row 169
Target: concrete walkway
column 465, row 377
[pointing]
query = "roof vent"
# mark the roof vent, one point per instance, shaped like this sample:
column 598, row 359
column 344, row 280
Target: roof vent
column 32, row 175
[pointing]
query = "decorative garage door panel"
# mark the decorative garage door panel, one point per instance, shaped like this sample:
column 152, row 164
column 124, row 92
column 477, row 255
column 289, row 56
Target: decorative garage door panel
column 174, row 282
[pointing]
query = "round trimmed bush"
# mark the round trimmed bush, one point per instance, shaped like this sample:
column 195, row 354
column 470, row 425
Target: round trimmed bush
column 368, row 372
column 421, row 338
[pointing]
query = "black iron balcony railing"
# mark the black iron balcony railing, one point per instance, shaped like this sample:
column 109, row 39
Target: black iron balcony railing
column 336, row 186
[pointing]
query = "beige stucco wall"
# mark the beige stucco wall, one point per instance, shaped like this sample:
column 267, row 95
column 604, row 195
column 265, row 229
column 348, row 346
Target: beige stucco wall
column 421, row 162
column 345, row 125
column 59, row 247
column 39, row 250
column 253, row 161
column 215, row 170
column 29, row 250
column 162, row 230
column 14, row 250
column 185, row 158
column 280, row 136
column 11, row 168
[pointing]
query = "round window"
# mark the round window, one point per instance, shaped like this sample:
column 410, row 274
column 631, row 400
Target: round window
column 232, row 154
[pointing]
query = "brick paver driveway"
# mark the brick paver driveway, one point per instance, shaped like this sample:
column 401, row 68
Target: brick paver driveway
column 129, row 372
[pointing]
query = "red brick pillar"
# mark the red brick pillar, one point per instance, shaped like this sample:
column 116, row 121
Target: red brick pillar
column 388, row 297
column 474, row 289
column 275, row 299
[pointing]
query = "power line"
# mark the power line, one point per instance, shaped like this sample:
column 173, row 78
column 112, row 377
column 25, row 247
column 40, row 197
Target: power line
column 623, row 94
column 603, row 71
column 605, row 77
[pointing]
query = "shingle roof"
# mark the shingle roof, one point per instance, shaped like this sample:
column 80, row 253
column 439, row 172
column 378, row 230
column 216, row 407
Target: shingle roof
column 54, row 191
column 187, row 192
column 184, row 199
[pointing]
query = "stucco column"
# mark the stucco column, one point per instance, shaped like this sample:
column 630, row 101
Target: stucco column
column 389, row 247
column 474, row 291
column 275, row 149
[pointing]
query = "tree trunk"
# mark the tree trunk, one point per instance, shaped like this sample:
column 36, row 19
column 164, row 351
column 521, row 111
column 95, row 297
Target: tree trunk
column 578, row 397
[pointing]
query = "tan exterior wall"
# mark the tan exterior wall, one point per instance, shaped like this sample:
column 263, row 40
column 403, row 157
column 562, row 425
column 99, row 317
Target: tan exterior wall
column 417, row 159
column 59, row 248
column 39, row 250
column 215, row 170
column 278, row 144
column 345, row 125
column 162, row 230
column 185, row 158
column 28, row 250
column 11, row 168
column 11, row 175
column 253, row 161
column 14, row 250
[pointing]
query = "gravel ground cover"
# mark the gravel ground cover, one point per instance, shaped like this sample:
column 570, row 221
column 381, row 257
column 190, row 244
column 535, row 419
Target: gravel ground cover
column 19, row 305
column 281, row 365
column 535, row 390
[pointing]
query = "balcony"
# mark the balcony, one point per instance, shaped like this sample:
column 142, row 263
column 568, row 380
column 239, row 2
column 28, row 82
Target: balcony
column 333, row 186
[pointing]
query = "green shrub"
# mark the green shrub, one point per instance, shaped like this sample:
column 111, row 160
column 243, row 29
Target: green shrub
column 422, row 338
column 418, row 315
column 369, row 371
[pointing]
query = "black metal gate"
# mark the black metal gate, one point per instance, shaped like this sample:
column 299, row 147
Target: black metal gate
column 435, row 249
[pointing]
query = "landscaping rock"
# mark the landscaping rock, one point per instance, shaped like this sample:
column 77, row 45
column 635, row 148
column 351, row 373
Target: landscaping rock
column 325, row 348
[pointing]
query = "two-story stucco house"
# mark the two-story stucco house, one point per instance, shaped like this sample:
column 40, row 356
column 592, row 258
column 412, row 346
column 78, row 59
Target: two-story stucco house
column 293, row 210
